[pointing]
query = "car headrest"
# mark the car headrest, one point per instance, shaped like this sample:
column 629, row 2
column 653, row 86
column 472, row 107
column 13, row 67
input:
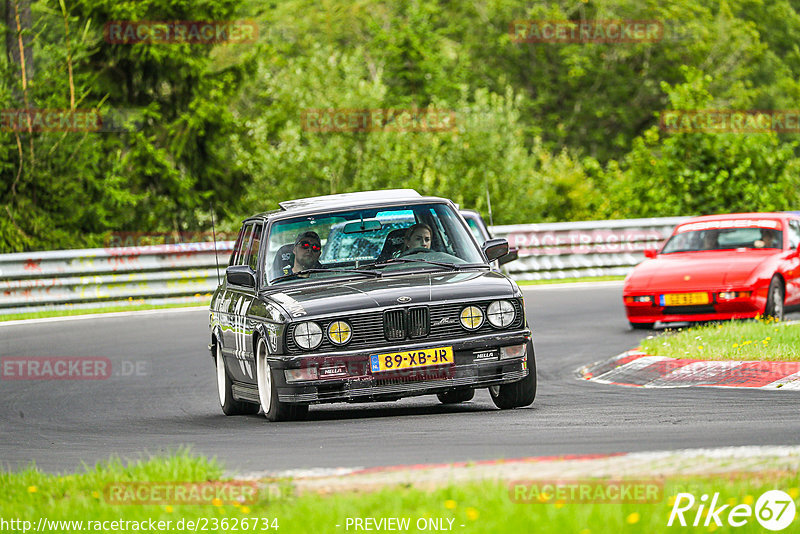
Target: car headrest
column 283, row 261
column 393, row 243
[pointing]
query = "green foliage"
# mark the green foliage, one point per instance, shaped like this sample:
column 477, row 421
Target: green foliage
column 553, row 131
column 481, row 500
column 760, row 340
column 69, row 189
column 701, row 173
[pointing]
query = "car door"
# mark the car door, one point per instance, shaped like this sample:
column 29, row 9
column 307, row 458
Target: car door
column 792, row 264
column 237, row 329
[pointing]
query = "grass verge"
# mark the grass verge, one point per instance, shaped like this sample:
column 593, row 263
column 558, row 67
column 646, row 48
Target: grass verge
column 570, row 280
column 489, row 506
column 66, row 312
column 736, row 340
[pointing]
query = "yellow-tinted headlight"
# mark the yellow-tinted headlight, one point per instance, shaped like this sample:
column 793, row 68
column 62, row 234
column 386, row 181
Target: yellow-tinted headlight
column 339, row 332
column 471, row 317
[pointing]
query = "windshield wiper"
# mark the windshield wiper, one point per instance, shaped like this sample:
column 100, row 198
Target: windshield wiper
column 306, row 272
column 391, row 261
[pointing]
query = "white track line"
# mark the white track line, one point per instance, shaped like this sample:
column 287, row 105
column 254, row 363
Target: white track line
column 101, row 315
column 573, row 285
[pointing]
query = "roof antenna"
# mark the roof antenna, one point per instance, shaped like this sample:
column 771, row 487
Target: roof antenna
column 214, row 235
column 489, row 202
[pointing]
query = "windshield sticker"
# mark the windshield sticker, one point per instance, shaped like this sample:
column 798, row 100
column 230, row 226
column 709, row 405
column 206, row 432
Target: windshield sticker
column 734, row 223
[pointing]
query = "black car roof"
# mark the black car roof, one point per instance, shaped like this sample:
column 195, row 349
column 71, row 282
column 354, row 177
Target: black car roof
column 362, row 199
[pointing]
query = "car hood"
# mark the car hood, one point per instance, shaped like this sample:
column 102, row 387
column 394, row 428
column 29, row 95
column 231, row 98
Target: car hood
column 370, row 293
column 700, row 270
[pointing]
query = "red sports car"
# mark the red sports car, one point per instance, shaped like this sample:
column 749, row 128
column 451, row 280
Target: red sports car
column 718, row 267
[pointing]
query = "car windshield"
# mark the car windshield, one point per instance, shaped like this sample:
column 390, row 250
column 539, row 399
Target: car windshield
column 370, row 241
column 724, row 239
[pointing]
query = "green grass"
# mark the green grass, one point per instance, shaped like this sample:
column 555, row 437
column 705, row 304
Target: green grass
column 86, row 311
column 569, row 280
column 735, row 340
column 478, row 506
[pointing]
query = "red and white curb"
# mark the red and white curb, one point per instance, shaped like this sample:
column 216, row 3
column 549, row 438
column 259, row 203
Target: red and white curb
column 638, row 369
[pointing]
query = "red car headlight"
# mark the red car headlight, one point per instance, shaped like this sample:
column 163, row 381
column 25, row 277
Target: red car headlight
column 639, row 299
column 732, row 295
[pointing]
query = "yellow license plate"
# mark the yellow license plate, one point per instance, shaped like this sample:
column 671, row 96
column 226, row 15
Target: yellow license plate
column 408, row 359
column 685, row 299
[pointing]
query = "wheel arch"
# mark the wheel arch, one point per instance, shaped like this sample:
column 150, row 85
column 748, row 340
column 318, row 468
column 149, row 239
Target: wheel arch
column 260, row 332
column 781, row 279
column 216, row 338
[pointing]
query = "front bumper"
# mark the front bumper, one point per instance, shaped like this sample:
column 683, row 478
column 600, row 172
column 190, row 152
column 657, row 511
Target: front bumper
column 716, row 310
column 472, row 369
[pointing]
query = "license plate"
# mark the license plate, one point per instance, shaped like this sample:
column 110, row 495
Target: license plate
column 684, row 299
column 409, row 359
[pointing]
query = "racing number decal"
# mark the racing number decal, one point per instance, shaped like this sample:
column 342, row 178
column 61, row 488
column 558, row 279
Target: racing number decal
column 239, row 336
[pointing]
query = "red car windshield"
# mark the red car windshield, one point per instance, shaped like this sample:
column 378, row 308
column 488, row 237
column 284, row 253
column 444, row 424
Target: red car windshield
column 724, row 239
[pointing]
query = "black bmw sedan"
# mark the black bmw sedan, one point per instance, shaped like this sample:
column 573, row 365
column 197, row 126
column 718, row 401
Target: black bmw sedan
column 369, row 296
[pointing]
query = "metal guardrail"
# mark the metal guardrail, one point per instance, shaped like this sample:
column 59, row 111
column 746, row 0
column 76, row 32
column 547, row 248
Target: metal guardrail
column 92, row 278
column 103, row 277
column 551, row 251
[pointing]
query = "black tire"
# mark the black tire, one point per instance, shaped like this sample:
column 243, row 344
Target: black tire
column 642, row 326
column 455, row 396
column 520, row 393
column 274, row 409
column 229, row 405
column 775, row 296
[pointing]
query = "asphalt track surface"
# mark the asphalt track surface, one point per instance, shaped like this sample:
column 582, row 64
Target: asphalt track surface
column 172, row 402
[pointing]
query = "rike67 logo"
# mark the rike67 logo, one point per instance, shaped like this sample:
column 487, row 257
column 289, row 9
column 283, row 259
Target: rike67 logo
column 774, row 510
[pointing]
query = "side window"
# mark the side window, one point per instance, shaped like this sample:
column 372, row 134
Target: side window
column 251, row 253
column 473, row 227
column 237, row 247
column 794, row 234
column 242, row 246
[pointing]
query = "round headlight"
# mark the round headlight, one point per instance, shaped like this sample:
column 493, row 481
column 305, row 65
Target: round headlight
column 339, row 332
column 308, row 335
column 471, row 317
column 500, row 313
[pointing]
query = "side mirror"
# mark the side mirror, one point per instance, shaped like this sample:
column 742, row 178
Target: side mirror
column 495, row 248
column 240, row 275
column 650, row 253
column 512, row 255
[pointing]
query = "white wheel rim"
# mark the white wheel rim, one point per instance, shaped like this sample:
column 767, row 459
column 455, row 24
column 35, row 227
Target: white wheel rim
column 220, row 376
column 264, row 377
